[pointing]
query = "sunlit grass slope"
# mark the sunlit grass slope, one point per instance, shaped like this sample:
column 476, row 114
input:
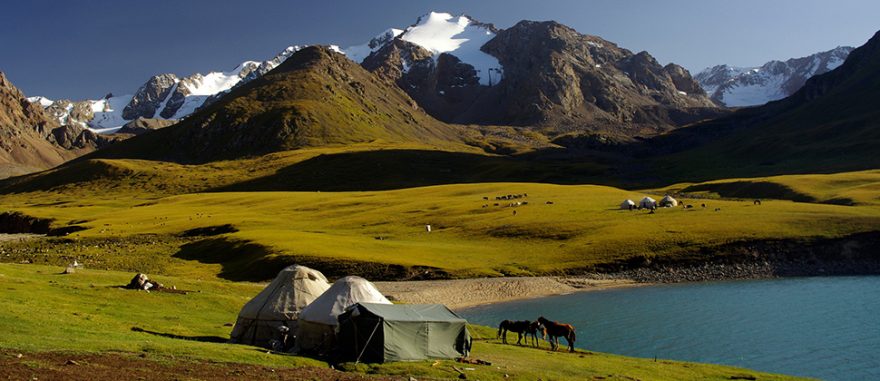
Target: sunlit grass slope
column 562, row 228
column 847, row 188
column 88, row 312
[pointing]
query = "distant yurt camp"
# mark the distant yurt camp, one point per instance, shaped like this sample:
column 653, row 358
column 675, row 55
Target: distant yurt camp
column 627, row 204
column 317, row 322
column 377, row 333
column 647, row 202
column 279, row 304
column 668, row 201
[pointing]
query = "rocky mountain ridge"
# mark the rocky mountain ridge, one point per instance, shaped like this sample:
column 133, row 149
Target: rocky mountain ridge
column 163, row 96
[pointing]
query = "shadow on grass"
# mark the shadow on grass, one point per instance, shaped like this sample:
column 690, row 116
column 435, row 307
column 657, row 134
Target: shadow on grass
column 204, row 339
column 248, row 261
column 395, row 169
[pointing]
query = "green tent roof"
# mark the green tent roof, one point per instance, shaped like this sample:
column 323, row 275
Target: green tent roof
column 413, row 312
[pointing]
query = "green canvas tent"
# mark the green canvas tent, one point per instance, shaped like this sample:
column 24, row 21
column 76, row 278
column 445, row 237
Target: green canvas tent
column 371, row 332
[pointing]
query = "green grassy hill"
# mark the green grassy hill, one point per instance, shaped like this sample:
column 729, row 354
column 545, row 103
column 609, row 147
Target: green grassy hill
column 97, row 316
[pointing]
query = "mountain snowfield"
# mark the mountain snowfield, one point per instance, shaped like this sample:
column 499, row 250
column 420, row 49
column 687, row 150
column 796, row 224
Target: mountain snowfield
column 436, row 32
column 458, row 36
column 752, row 86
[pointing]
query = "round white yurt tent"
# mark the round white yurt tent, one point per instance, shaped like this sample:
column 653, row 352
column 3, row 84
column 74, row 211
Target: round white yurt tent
column 627, row 204
column 647, row 202
column 316, row 331
column 279, row 304
column 668, row 201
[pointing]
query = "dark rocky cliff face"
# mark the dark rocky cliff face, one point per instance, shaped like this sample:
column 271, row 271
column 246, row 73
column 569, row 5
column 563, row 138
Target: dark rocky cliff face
column 556, row 76
column 682, row 80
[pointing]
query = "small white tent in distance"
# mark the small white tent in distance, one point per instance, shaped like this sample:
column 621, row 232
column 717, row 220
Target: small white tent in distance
column 316, row 331
column 627, row 204
column 279, row 304
column 648, row 203
column 668, row 201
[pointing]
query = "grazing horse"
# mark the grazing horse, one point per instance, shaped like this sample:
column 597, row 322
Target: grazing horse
column 532, row 332
column 520, row 327
column 555, row 330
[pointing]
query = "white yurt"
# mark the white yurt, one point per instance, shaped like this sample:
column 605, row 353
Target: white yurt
column 279, row 304
column 668, row 201
column 316, row 331
column 627, row 204
column 647, row 202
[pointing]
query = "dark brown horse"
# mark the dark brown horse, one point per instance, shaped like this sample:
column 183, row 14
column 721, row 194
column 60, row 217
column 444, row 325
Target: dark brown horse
column 555, row 331
column 532, row 332
column 521, row 328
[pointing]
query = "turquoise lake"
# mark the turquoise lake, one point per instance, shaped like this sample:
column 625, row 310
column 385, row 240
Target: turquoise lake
column 823, row 327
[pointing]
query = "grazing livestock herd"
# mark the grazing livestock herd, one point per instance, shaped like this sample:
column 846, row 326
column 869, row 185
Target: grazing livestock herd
column 509, row 197
column 549, row 330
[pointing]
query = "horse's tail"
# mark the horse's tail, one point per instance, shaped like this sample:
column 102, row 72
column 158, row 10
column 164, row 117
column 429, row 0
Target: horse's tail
column 500, row 328
column 573, row 335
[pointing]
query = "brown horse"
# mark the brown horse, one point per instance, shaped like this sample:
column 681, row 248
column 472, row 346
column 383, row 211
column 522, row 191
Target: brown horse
column 522, row 328
column 555, row 331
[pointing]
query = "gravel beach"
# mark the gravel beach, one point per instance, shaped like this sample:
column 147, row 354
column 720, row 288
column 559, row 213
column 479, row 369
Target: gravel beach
column 463, row 293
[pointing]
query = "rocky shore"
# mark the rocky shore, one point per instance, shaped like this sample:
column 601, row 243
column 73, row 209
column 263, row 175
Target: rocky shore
column 857, row 254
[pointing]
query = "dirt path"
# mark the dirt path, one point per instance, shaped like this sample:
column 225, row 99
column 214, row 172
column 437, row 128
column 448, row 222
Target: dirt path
column 463, row 293
column 115, row 367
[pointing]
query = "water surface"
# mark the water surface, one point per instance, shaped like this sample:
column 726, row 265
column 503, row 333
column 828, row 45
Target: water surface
column 825, row 327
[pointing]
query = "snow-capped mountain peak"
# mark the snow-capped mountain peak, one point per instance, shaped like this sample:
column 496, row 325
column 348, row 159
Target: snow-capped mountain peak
column 440, row 33
column 459, row 36
column 750, row 86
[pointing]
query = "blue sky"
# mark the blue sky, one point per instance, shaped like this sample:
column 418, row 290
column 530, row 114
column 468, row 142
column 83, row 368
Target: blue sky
column 84, row 49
